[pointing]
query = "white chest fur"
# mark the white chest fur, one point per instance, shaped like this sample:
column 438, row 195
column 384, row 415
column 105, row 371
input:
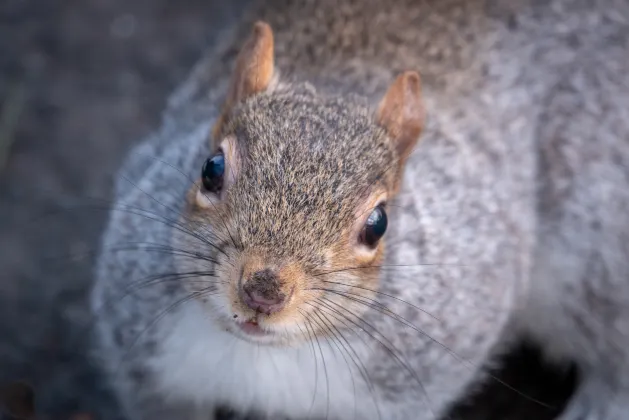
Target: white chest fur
column 211, row 366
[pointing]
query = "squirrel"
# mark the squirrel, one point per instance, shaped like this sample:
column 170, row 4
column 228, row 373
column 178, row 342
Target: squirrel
column 351, row 208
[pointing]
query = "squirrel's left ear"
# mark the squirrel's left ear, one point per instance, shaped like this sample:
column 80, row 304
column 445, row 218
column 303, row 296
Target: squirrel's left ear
column 253, row 72
column 401, row 113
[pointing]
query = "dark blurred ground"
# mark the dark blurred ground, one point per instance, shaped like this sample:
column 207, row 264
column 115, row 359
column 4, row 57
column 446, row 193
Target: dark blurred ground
column 80, row 82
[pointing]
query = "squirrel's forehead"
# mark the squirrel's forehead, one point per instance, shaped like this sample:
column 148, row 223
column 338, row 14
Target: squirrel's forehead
column 314, row 168
column 319, row 133
column 309, row 146
column 307, row 118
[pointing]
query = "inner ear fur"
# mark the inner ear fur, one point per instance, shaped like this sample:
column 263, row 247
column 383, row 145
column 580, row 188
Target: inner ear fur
column 252, row 74
column 401, row 113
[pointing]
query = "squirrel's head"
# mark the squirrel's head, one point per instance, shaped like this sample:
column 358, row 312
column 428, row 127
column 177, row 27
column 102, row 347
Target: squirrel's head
column 292, row 205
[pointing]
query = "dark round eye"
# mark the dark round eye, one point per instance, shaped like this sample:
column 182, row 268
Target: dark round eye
column 375, row 227
column 212, row 173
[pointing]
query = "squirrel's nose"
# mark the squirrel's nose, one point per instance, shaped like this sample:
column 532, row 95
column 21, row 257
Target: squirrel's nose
column 260, row 303
column 262, row 293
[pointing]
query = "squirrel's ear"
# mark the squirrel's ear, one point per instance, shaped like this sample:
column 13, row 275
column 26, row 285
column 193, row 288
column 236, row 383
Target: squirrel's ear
column 401, row 113
column 253, row 72
column 254, row 65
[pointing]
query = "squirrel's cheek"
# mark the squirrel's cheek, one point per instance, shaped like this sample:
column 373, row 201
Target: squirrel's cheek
column 205, row 200
column 365, row 257
column 196, row 198
column 351, row 253
column 362, row 255
column 365, row 261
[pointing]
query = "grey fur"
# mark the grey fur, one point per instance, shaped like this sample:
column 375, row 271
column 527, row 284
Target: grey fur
column 513, row 218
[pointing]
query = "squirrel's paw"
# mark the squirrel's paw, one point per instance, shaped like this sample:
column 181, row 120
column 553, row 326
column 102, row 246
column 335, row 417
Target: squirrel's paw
column 596, row 400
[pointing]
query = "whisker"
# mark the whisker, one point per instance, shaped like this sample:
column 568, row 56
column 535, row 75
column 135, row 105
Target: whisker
column 160, row 316
column 316, row 371
column 382, row 294
column 348, row 327
column 194, row 182
column 136, row 246
column 110, row 207
column 335, row 340
column 375, row 306
column 105, row 205
column 386, row 311
column 356, row 358
column 147, row 281
column 381, row 266
column 162, row 278
column 325, row 369
column 390, row 350
column 171, row 223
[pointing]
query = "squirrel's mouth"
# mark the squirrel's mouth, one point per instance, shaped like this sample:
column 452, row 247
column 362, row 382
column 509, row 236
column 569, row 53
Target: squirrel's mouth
column 252, row 328
column 252, row 331
column 257, row 330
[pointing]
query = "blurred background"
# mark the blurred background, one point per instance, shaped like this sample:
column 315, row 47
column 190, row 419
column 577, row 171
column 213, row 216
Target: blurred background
column 80, row 82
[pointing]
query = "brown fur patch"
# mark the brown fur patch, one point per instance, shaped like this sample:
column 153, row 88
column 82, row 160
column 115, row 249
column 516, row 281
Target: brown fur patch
column 253, row 72
column 290, row 280
column 401, row 113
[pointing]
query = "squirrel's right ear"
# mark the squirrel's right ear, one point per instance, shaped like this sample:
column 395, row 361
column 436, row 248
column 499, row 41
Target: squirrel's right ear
column 253, row 72
column 401, row 113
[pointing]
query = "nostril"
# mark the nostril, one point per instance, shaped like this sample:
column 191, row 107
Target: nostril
column 263, row 292
column 260, row 303
column 259, row 299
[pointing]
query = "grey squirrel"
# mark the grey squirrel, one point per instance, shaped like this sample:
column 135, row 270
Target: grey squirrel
column 316, row 231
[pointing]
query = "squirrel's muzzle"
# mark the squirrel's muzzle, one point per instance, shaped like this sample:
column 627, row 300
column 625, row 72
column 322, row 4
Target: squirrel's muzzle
column 263, row 292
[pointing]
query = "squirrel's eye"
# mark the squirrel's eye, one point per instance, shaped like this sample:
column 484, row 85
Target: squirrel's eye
column 212, row 172
column 375, row 227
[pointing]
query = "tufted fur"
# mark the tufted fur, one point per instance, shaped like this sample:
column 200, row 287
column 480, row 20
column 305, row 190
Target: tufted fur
column 512, row 215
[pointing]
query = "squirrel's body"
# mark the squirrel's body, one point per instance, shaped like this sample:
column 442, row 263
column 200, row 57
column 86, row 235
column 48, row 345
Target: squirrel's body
column 513, row 212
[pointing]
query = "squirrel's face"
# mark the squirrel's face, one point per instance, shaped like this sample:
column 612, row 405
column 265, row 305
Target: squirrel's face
column 291, row 206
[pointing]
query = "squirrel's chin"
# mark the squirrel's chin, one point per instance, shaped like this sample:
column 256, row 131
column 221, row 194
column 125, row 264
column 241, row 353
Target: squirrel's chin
column 252, row 332
column 252, row 328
